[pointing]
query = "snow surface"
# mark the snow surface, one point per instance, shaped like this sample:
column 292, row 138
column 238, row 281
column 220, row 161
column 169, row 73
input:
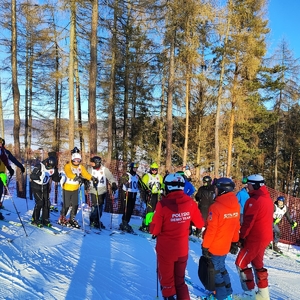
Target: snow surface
column 81, row 266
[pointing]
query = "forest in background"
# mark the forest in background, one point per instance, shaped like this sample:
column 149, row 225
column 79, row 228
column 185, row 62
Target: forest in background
column 176, row 82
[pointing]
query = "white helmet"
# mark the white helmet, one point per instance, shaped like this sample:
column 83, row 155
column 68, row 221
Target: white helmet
column 174, row 182
column 76, row 156
column 256, row 180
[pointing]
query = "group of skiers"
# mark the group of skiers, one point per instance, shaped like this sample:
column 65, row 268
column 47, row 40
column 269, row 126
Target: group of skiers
column 227, row 223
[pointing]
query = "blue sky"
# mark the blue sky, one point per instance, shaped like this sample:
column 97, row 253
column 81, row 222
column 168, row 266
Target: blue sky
column 284, row 19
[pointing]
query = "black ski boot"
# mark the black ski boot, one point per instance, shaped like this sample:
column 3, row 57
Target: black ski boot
column 47, row 223
column 170, row 297
column 74, row 223
column 36, row 223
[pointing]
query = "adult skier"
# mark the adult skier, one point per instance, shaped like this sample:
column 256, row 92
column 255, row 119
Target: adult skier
column 75, row 172
column 5, row 157
column 98, row 193
column 221, row 235
column 280, row 210
column 130, row 185
column 40, row 183
column 170, row 225
column 151, row 192
column 205, row 197
column 256, row 233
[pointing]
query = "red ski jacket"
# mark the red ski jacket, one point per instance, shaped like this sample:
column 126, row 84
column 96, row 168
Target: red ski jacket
column 223, row 224
column 257, row 226
column 171, row 224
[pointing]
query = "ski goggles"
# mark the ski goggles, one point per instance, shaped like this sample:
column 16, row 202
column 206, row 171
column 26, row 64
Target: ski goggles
column 77, row 160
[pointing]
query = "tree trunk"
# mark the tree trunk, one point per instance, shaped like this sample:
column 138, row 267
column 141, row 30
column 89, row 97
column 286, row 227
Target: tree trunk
column 71, row 75
column 170, row 105
column 16, row 98
column 93, row 80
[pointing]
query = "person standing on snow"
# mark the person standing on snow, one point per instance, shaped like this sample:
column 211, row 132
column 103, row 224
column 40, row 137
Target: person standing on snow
column 243, row 196
column 256, row 233
column 152, row 189
column 40, row 184
column 75, row 172
column 5, row 157
column 130, row 184
column 170, row 225
column 98, row 195
column 280, row 210
column 205, row 197
column 221, row 235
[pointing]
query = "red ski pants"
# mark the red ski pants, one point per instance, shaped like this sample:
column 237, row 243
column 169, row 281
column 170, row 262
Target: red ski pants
column 171, row 277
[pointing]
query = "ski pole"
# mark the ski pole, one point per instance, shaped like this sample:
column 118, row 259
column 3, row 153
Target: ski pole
column 98, row 209
column 3, row 177
column 112, row 208
column 80, row 195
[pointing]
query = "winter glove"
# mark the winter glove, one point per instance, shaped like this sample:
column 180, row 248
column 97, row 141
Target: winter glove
column 114, row 186
column 11, row 171
column 79, row 179
column 206, row 253
column 22, row 169
column 95, row 182
column 277, row 221
column 241, row 243
column 294, row 224
column 234, row 248
column 86, row 184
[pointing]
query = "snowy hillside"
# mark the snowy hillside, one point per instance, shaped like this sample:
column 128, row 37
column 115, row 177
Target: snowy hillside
column 74, row 265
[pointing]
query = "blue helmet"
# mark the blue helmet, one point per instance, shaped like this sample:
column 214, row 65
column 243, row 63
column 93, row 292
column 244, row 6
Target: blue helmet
column 281, row 198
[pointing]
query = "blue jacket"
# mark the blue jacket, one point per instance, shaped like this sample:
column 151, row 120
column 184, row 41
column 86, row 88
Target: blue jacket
column 242, row 196
column 189, row 189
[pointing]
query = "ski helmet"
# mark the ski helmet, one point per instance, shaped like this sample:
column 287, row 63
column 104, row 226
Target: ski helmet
column 256, row 181
column 207, row 179
column 281, row 198
column 75, row 150
column 224, row 185
column 133, row 165
column 76, row 157
column 154, row 167
column 244, row 180
column 50, row 162
column 97, row 161
column 174, row 182
column 2, row 141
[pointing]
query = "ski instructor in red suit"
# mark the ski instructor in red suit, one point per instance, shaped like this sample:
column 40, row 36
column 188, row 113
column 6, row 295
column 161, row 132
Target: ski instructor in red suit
column 170, row 224
column 256, row 234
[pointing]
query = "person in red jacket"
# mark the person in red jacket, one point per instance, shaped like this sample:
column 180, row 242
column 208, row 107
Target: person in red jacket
column 221, row 235
column 170, row 225
column 256, row 233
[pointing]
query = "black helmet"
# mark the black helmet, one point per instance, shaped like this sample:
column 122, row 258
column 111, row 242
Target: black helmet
column 50, row 162
column 97, row 161
column 224, row 185
column 2, row 141
column 207, row 180
column 75, row 150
